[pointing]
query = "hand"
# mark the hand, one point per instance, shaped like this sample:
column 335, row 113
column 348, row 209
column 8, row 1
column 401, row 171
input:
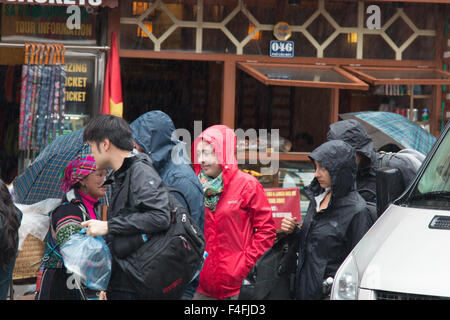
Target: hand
column 288, row 224
column 95, row 227
column 102, row 295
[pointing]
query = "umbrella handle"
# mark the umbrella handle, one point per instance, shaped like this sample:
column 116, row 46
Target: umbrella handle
column 33, row 51
column 63, row 53
column 47, row 53
column 52, row 54
column 38, row 48
column 27, row 52
column 55, row 51
column 41, row 55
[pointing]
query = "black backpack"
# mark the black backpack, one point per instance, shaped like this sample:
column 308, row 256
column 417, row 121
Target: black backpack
column 162, row 267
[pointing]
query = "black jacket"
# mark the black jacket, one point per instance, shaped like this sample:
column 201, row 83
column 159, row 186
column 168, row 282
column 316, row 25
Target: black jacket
column 328, row 236
column 139, row 204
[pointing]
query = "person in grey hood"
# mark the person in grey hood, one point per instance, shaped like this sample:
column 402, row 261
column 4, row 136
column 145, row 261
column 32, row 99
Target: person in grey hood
column 353, row 133
column 408, row 161
column 337, row 218
column 152, row 134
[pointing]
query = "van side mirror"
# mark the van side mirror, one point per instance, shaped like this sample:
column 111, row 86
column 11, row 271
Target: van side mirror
column 389, row 186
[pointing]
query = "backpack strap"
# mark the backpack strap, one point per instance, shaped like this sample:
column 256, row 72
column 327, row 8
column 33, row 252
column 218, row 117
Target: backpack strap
column 182, row 196
column 170, row 189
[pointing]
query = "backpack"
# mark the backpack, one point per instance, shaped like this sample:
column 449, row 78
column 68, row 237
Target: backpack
column 272, row 276
column 162, row 267
column 408, row 161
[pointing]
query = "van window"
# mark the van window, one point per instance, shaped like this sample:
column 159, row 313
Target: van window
column 433, row 189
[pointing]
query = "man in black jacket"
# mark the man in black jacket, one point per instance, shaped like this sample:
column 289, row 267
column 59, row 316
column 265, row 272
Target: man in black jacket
column 139, row 204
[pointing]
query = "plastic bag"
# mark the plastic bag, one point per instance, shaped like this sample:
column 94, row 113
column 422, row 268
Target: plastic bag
column 35, row 218
column 89, row 259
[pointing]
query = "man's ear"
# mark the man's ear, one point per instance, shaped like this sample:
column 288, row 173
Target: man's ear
column 106, row 144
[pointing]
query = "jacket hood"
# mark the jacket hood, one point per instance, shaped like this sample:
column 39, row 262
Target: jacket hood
column 223, row 140
column 339, row 159
column 352, row 132
column 152, row 131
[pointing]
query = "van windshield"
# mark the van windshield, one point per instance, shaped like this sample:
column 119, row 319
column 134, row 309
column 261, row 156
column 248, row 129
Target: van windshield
column 433, row 189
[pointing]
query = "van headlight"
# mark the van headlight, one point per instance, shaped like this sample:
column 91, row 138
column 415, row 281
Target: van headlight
column 346, row 281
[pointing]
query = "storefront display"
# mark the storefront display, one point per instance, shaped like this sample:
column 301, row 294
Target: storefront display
column 61, row 73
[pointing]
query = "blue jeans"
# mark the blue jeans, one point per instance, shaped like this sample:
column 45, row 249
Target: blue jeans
column 5, row 279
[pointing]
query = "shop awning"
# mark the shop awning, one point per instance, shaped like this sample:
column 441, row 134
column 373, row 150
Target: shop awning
column 407, row 76
column 303, row 75
column 81, row 3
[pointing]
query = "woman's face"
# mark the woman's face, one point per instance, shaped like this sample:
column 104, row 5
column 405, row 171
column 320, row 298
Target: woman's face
column 91, row 184
column 207, row 159
column 322, row 175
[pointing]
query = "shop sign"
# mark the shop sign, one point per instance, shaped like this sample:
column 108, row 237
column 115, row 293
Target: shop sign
column 33, row 23
column 93, row 3
column 285, row 202
column 281, row 49
column 79, row 85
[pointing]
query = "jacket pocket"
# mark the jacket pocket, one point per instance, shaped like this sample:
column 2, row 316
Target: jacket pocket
column 233, row 269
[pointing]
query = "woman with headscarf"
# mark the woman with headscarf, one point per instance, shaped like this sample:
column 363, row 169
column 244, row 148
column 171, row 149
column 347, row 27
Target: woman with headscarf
column 82, row 187
column 239, row 227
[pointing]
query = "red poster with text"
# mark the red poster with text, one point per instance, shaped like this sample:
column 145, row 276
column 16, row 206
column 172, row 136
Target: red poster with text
column 285, row 202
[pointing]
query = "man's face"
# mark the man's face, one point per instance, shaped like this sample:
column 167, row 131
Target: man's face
column 358, row 159
column 99, row 154
column 207, row 159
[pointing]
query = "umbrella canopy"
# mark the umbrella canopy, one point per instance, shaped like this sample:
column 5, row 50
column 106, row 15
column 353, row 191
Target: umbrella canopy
column 388, row 127
column 42, row 179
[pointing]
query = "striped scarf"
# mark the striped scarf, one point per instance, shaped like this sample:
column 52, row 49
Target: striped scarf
column 212, row 189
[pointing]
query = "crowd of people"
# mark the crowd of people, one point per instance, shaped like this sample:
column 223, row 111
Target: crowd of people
column 228, row 205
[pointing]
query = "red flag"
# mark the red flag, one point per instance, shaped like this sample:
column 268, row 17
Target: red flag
column 112, row 95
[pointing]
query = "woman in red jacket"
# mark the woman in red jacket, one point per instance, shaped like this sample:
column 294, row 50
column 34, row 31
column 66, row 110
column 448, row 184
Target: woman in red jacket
column 239, row 226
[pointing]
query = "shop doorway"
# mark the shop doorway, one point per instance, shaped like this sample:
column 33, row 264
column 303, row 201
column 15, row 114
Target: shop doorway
column 301, row 114
column 11, row 60
column 187, row 91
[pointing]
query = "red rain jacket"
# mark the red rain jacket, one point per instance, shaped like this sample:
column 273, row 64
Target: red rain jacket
column 241, row 228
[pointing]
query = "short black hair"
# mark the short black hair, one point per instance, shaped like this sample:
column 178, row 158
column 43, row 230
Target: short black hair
column 105, row 126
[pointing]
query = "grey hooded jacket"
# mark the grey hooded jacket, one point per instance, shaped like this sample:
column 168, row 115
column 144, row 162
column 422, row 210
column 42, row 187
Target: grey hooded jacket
column 408, row 161
column 353, row 133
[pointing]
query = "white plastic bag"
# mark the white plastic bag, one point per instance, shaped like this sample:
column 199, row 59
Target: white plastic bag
column 36, row 219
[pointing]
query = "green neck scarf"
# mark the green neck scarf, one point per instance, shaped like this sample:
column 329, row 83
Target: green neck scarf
column 212, row 189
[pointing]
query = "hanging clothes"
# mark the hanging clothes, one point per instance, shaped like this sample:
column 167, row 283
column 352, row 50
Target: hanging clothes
column 42, row 102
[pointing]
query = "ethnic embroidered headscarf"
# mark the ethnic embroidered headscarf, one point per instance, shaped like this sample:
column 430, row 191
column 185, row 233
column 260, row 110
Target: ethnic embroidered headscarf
column 76, row 171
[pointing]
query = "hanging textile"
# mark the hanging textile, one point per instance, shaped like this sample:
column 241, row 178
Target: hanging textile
column 42, row 102
column 112, row 94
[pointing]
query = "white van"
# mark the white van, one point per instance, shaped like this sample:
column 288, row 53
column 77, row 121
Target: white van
column 406, row 253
